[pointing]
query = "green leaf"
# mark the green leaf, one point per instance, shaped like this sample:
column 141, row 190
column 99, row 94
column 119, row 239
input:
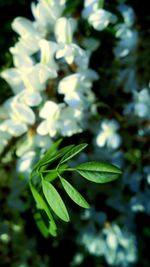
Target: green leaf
column 71, row 6
column 50, row 176
column 47, row 155
column 98, row 172
column 41, row 224
column 41, row 204
column 52, row 229
column 56, row 156
column 74, row 194
column 55, row 201
column 72, row 152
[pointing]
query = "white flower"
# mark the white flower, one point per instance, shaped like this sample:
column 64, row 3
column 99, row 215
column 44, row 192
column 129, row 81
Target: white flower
column 33, row 78
column 69, row 121
column 107, row 135
column 26, row 46
column 46, row 13
column 31, row 99
column 128, row 40
column 48, row 50
column 98, row 17
column 90, row 6
column 25, row 162
column 26, row 144
column 76, row 88
column 22, row 61
column 112, row 241
column 128, row 14
column 29, row 42
column 20, row 116
column 74, row 54
column 24, row 27
column 70, row 87
column 43, row 142
column 64, row 29
column 14, row 127
column 142, row 103
column 12, row 77
column 50, row 112
column 121, row 246
column 36, row 77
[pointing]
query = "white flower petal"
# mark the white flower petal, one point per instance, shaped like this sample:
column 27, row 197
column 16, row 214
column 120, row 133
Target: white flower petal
column 73, row 99
column 22, row 113
column 68, row 122
column 42, row 128
column 141, row 109
column 27, row 46
column 32, row 78
column 101, row 139
column 64, row 29
column 12, row 77
column 114, row 125
column 46, row 12
column 29, row 98
column 99, row 19
column 25, row 145
column 69, row 83
column 52, row 128
column 22, row 61
column 49, row 109
column 44, row 142
column 48, row 50
column 25, row 162
column 67, row 52
column 23, row 27
column 89, row 7
column 114, row 141
column 14, row 128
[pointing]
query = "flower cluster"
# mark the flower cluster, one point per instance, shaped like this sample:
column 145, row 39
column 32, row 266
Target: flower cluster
column 48, row 65
column 116, row 245
column 97, row 16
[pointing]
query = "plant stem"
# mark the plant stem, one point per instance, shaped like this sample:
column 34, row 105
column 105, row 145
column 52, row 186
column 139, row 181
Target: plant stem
column 101, row 3
column 69, row 169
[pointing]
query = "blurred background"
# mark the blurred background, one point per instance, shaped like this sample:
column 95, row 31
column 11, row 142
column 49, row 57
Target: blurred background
column 116, row 230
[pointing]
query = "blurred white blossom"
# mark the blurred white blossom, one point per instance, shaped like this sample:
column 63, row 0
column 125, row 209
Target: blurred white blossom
column 98, row 17
column 108, row 134
column 20, row 116
column 127, row 36
column 50, row 113
column 117, row 245
column 140, row 105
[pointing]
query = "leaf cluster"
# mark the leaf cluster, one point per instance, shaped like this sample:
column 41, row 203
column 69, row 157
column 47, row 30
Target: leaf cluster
column 47, row 197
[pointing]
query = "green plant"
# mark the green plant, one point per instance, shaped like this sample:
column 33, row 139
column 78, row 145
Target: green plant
column 52, row 166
